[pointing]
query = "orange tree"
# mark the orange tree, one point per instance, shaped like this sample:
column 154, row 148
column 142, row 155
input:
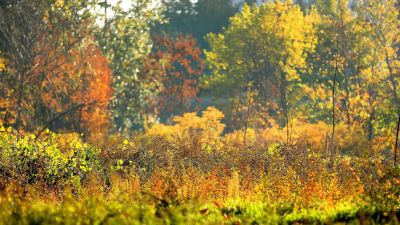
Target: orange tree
column 54, row 69
column 78, row 91
column 177, row 65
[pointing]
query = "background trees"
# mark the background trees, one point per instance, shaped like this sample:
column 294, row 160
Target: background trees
column 195, row 18
column 381, row 19
column 95, row 67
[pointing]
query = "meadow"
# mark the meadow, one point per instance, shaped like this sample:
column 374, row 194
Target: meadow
column 189, row 173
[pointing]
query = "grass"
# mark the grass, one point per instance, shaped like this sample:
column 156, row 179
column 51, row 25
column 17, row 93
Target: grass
column 126, row 209
column 59, row 179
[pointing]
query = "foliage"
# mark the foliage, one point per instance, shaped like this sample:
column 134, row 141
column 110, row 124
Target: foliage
column 47, row 162
column 90, row 89
column 300, row 103
column 60, row 74
column 125, row 40
column 2, row 64
column 206, row 128
column 175, row 66
column 129, row 211
column 171, row 180
column 261, row 50
column 196, row 19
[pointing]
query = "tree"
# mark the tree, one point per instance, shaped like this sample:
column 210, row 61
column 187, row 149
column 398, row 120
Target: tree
column 125, row 40
column 2, row 64
column 52, row 62
column 261, row 51
column 382, row 18
column 179, row 66
column 196, row 19
column 17, row 20
column 179, row 15
column 336, row 63
column 82, row 82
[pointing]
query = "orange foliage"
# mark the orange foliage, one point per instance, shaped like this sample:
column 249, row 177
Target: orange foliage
column 179, row 65
column 79, row 81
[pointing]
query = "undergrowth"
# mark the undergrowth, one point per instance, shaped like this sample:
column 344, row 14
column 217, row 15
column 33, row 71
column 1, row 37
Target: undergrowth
column 193, row 173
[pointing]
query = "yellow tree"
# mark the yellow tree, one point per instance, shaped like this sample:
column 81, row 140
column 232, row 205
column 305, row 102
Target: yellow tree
column 261, row 51
column 5, row 103
column 382, row 19
column 336, row 64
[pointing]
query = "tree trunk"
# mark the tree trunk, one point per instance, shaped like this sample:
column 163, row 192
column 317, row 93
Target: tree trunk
column 19, row 102
column 397, row 141
column 371, row 126
column 285, row 106
column 396, row 102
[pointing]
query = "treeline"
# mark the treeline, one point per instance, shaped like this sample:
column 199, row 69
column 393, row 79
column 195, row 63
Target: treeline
column 95, row 68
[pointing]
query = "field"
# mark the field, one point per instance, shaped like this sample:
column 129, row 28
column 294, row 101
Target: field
column 188, row 174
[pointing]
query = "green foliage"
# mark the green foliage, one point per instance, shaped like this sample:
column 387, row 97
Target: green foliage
column 195, row 18
column 30, row 161
column 100, row 210
column 125, row 38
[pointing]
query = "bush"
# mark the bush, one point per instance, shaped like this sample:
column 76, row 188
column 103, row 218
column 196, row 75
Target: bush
column 54, row 160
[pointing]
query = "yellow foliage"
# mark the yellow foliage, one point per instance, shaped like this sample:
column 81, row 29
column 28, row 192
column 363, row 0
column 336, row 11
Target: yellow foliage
column 2, row 64
column 60, row 3
column 68, row 140
column 241, row 137
column 188, row 127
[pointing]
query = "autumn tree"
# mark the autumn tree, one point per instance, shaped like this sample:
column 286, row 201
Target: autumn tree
column 2, row 64
column 382, row 20
column 78, row 88
column 17, row 20
column 178, row 65
column 261, row 51
column 53, row 65
column 335, row 68
column 5, row 103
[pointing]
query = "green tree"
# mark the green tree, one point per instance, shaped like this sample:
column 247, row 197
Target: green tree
column 196, row 19
column 125, row 38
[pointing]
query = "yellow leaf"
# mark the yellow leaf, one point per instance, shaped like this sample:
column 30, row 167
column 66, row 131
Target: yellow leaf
column 2, row 64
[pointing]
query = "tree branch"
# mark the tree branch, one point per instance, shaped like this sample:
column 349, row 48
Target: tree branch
column 60, row 115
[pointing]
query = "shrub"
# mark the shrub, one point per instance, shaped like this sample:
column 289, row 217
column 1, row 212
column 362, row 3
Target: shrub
column 54, row 160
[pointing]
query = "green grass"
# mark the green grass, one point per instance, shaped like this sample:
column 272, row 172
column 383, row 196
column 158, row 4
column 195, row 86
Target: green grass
column 127, row 210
